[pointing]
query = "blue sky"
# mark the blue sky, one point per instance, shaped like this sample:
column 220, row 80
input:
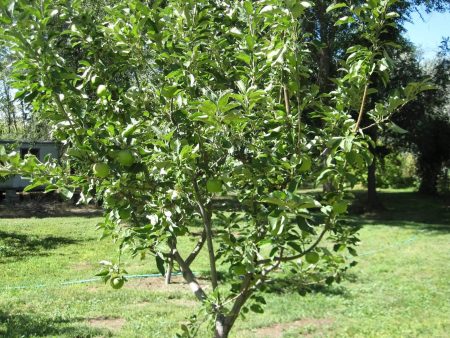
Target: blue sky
column 427, row 34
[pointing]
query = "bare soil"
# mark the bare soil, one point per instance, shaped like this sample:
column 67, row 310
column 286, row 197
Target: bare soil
column 276, row 330
column 113, row 324
column 158, row 283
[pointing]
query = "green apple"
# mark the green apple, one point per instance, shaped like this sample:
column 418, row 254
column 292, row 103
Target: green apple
column 101, row 170
column 117, row 282
column 214, row 185
column 102, row 91
column 125, row 158
column 312, row 257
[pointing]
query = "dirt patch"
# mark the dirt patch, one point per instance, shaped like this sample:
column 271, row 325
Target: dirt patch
column 92, row 288
column 139, row 305
column 82, row 266
column 113, row 324
column 276, row 330
column 184, row 302
column 158, row 283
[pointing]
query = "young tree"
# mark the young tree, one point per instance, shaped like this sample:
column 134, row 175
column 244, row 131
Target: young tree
column 177, row 102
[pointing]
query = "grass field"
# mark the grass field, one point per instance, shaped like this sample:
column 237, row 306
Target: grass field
column 400, row 288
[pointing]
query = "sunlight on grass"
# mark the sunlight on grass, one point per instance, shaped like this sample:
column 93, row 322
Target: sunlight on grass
column 399, row 288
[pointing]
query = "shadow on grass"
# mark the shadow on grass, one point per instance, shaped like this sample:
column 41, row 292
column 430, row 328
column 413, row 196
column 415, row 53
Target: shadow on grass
column 17, row 246
column 407, row 209
column 18, row 211
column 293, row 284
column 24, row 325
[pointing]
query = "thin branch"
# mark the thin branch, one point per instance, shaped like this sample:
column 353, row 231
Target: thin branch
column 62, row 110
column 286, row 100
column 136, row 78
column 240, row 299
column 198, row 247
column 206, row 215
column 299, row 117
column 361, row 110
column 290, row 258
column 268, row 270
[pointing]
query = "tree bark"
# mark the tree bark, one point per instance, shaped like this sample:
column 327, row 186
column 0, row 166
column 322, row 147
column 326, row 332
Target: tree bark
column 221, row 329
column 189, row 277
column 169, row 272
column 373, row 202
column 429, row 173
column 206, row 214
column 169, row 269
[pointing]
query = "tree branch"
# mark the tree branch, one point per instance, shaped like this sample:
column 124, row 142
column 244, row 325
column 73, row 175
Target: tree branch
column 290, row 258
column 286, row 100
column 170, row 262
column 206, row 216
column 189, row 277
column 198, row 247
column 245, row 292
column 268, row 270
column 361, row 110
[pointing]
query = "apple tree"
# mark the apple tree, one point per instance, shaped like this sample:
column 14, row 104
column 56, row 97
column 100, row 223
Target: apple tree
column 164, row 106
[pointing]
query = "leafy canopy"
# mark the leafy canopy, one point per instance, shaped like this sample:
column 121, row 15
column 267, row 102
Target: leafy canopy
column 164, row 108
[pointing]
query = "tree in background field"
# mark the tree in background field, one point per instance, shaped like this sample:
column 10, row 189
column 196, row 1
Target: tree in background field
column 329, row 42
column 427, row 121
column 17, row 119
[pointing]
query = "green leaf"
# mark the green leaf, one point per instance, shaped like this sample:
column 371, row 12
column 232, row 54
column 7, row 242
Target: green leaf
column 397, row 129
column 352, row 251
column 66, row 192
column 257, row 308
column 340, row 207
column 244, row 57
column 160, row 265
column 32, row 186
column 306, row 164
column 295, row 246
column 344, row 20
column 235, row 31
column 335, row 6
column 214, row 185
column 239, row 269
column 392, row 15
column 306, row 4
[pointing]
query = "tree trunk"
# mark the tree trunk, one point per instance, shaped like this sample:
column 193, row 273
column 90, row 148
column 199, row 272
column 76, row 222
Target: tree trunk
column 373, row 202
column 169, row 271
column 222, row 329
column 429, row 173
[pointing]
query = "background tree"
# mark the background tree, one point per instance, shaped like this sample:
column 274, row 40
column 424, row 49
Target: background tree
column 330, row 41
column 427, row 122
column 17, row 120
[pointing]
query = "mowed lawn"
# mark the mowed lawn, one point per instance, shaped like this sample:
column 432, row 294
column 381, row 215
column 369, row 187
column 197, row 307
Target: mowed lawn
column 400, row 288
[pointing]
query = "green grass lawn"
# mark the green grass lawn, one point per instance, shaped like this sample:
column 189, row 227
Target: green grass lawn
column 400, row 288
